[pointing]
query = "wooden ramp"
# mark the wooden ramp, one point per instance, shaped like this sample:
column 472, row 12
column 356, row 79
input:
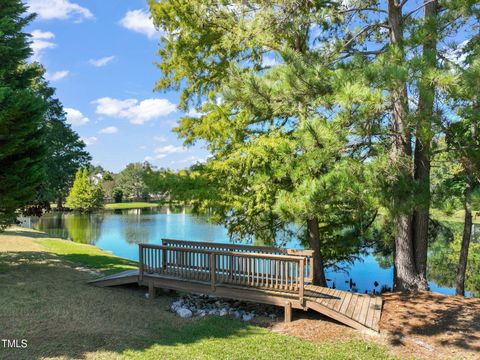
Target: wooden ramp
column 122, row 278
column 257, row 274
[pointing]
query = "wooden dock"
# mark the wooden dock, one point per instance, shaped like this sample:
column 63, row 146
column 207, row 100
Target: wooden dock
column 280, row 277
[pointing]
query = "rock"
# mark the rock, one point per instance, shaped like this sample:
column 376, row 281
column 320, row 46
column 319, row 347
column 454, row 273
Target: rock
column 147, row 296
column 247, row 317
column 184, row 313
column 223, row 312
column 176, row 305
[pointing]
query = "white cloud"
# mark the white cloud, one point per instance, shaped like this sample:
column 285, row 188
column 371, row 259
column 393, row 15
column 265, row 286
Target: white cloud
column 153, row 158
column 58, row 9
column 194, row 113
column 75, row 117
column 140, row 22
column 109, row 130
column 57, row 75
column 170, row 149
column 269, row 61
column 40, row 42
column 90, row 140
column 457, row 55
column 192, row 159
column 102, row 61
column 135, row 111
column 160, row 138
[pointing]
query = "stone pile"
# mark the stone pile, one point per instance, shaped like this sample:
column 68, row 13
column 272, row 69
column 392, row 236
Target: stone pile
column 202, row 305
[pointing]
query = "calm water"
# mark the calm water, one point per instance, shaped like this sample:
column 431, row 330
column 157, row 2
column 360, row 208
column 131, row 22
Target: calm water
column 119, row 232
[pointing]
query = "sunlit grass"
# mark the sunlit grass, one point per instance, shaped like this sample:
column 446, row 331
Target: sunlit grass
column 132, row 205
column 45, row 298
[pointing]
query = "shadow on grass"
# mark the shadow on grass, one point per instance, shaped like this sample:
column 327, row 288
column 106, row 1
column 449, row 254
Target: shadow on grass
column 50, row 305
column 107, row 264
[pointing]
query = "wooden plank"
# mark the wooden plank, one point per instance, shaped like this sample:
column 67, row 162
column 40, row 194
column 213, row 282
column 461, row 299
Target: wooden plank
column 358, row 307
column 363, row 313
column 377, row 314
column 370, row 311
column 345, row 303
column 351, row 306
column 335, row 298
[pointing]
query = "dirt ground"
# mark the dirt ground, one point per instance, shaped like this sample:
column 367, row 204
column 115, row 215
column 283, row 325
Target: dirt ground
column 421, row 326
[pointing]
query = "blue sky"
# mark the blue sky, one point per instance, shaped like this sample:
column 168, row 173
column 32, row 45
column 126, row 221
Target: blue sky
column 99, row 56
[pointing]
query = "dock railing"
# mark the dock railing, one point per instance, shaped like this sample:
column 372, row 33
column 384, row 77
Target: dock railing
column 226, row 267
column 307, row 254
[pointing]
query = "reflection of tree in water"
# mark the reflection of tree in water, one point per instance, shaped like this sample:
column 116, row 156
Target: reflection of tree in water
column 136, row 228
column 444, row 249
column 53, row 224
column 443, row 259
column 84, row 228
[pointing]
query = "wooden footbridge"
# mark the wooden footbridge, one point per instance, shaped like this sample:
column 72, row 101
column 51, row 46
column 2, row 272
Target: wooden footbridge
column 261, row 274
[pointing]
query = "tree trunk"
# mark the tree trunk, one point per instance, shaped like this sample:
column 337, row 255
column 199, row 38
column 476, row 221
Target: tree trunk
column 314, row 242
column 423, row 141
column 401, row 158
column 59, row 203
column 467, row 233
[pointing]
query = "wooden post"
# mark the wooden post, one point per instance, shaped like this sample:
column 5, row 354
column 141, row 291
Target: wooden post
column 151, row 291
column 301, row 281
column 140, row 261
column 212, row 270
column 288, row 311
column 312, row 267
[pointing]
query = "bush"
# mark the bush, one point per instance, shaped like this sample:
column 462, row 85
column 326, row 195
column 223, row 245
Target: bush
column 118, row 195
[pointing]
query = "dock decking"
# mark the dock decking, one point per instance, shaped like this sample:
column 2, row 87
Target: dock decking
column 274, row 276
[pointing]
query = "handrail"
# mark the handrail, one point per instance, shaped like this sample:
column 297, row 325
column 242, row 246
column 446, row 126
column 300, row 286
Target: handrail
column 249, row 248
column 309, row 254
column 220, row 252
column 258, row 270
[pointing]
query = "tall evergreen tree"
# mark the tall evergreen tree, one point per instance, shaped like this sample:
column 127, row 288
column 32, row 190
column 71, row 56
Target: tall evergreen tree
column 371, row 68
column 22, row 152
column 85, row 195
column 65, row 150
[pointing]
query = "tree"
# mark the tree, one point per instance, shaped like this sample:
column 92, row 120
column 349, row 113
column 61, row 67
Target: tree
column 84, row 194
column 372, row 68
column 22, row 152
column 131, row 181
column 65, row 150
column 458, row 174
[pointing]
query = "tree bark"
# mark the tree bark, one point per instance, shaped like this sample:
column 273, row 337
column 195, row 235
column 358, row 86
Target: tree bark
column 467, row 234
column 314, row 242
column 59, row 203
column 423, row 141
column 401, row 158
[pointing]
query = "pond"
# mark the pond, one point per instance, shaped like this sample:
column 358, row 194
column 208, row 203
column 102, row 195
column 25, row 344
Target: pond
column 120, row 231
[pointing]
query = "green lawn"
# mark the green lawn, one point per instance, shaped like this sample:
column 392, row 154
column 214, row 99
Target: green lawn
column 45, row 298
column 132, row 205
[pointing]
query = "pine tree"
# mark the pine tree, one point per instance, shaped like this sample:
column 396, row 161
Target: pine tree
column 84, row 194
column 22, row 152
column 373, row 69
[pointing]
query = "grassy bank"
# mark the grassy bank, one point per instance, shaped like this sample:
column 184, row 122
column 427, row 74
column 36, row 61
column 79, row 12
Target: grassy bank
column 45, row 299
column 132, row 205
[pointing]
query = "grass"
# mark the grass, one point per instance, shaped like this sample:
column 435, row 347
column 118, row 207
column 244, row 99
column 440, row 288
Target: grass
column 456, row 217
column 132, row 205
column 45, row 298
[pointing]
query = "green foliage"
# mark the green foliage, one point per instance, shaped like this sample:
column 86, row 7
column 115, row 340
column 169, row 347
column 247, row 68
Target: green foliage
column 117, row 195
column 131, row 181
column 442, row 264
column 84, row 194
column 344, row 120
column 22, row 152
